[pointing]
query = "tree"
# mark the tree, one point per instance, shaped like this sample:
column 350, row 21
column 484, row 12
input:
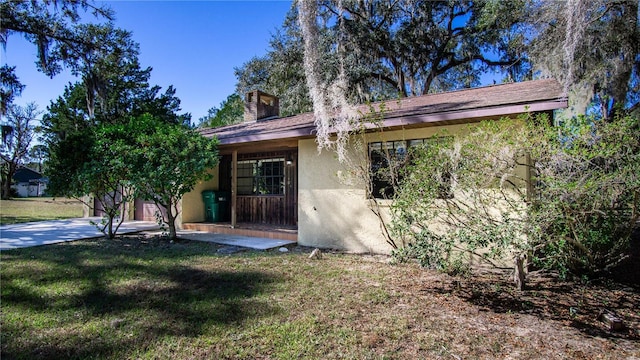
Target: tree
column 280, row 71
column 91, row 161
column 593, row 48
column 86, row 129
column 414, row 43
column 66, row 115
column 166, row 106
column 412, row 47
column 107, row 62
column 38, row 153
column 231, row 111
column 17, row 135
column 167, row 161
column 10, row 87
column 114, row 88
column 517, row 190
column 47, row 24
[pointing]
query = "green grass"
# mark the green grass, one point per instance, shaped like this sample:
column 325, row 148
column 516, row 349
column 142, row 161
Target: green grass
column 139, row 298
column 21, row 210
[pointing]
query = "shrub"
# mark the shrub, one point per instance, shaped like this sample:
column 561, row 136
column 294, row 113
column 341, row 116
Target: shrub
column 565, row 198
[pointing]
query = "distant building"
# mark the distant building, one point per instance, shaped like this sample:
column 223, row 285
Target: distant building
column 29, row 183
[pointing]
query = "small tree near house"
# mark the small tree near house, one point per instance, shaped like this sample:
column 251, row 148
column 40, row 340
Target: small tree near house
column 464, row 198
column 167, row 161
column 91, row 161
column 559, row 198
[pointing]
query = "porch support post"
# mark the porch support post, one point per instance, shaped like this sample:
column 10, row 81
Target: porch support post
column 234, row 187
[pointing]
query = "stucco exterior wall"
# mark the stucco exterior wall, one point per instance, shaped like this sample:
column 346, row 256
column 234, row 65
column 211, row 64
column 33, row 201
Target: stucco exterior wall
column 333, row 209
column 192, row 204
column 332, row 214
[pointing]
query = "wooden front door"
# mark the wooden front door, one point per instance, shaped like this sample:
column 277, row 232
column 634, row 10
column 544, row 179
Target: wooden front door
column 267, row 188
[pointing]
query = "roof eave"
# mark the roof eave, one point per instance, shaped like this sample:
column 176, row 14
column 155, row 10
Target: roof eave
column 475, row 114
column 471, row 115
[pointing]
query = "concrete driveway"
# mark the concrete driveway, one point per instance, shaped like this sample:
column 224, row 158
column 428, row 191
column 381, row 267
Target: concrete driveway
column 56, row 231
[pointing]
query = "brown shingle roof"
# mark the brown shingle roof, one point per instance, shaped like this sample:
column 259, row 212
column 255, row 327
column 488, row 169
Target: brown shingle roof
column 456, row 106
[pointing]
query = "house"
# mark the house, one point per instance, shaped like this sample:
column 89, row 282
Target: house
column 28, row 183
column 278, row 185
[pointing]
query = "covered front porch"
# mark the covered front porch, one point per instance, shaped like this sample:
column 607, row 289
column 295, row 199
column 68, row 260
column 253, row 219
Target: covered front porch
column 262, row 183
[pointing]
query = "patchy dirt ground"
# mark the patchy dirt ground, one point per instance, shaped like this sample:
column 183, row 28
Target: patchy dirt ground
column 487, row 317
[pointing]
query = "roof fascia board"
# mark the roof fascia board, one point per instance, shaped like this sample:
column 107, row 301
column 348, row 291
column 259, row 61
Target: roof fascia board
column 309, row 131
column 471, row 114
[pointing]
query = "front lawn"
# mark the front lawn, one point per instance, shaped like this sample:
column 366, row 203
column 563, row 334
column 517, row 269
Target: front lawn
column 139, row 297
column 20, row 210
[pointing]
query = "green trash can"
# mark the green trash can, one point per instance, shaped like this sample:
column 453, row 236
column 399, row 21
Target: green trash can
column 223, row 198
column 210, row 205
column 216, row 205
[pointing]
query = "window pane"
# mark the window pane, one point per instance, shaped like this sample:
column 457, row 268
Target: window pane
column 261, row 177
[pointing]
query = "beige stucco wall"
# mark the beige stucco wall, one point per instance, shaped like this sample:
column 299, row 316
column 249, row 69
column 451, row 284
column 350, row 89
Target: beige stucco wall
column 192, row 204
column 333, row 209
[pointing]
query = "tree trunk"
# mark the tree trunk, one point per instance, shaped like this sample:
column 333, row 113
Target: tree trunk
column 6, row 181
column 110, row 234
column 6, row 188
column 171, row 221
column 520, row 275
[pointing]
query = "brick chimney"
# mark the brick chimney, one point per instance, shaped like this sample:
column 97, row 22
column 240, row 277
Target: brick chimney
column 260, row 106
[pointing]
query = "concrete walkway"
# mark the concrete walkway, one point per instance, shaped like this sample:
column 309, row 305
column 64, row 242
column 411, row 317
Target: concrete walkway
column 56, row 231
column 256, row 243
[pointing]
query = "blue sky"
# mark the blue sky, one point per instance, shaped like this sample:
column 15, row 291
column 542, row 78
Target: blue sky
column 192, row 45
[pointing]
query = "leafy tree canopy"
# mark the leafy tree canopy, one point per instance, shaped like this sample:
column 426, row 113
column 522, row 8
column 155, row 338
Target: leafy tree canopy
column 593, row 48
column 231, row 111
column 10, row 87
column 48, row 24
column 167, row 161
column 392, row 48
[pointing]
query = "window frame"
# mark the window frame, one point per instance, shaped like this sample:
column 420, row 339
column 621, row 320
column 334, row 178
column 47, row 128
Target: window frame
column 261, row 177
column 378, row 185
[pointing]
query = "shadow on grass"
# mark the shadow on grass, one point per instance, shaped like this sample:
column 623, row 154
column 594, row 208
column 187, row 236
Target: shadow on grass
column 572, row 303
column 136, row 294
column 576, row 304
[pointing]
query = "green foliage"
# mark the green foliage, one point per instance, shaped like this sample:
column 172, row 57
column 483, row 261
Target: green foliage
column 592, row 48
column 48, row 24
column 167, row 161
column 459, row 197
column 589, row 197
column 10, row 87
column 231, row 111
column 145, row 157
column 427, row 248
column 566, row 196
column 91, row 161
